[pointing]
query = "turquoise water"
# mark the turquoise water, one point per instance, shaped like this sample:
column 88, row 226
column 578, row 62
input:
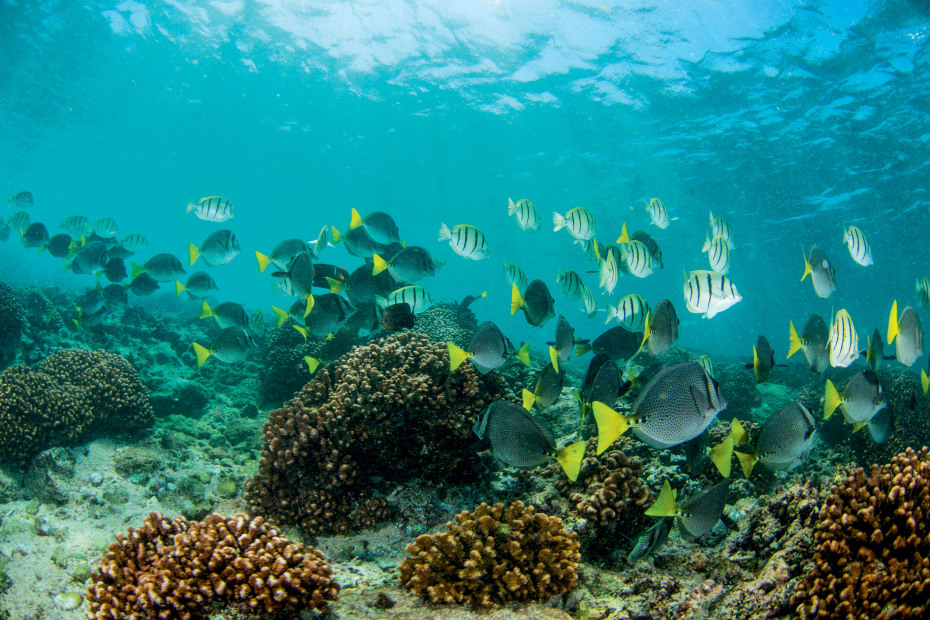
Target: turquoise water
column 790, row 119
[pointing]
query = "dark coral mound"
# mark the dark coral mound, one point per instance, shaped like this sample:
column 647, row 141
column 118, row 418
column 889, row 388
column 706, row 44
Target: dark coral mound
column 284, row 370
column 67, row 395
column 444, row 321
column 873, row 545
column 185, row 570
column 493, row 556
column 385, row 413
column 12, row 321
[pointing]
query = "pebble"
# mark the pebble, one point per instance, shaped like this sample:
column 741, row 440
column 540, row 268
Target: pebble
column 96, row 479
column 68, row 600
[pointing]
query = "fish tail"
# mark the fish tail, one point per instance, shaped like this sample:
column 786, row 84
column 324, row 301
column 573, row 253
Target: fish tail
column 794, row 340
column 581, row 349
column 356, row 220
column 528, row 399
column 523, row 353
column 665, row 506
column 747, row 462
column 755, row 363
column 613, row 312
column 205, row 310
column 807, row 265
column 646, row 334
column 379, row 264
column 301, row 329
column 194, row 253
column 336, row 236
column 893, row 323
column 722, row 456
column 310, row 302
column 516, row 300
column 554, row 358
column 831, row 400
column 190, row 207
column 610, row 425
column 381, row 302
column 924, row 381
column 558, row 222
column 624, row 235
column 738, row 433
column 202, row 353
column 444, row 233
column 281, row 314
column 511, row 206
column 263, row 261
column 707, row 243
column 335, row 286
column 178, row 287
column 570, row 458
column 312, row 363
column 456, row 355
column 858, row 426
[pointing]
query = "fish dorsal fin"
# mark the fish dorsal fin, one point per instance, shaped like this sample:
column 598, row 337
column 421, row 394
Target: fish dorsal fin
column 665, row 505
column 610, row 425
column 892, row 323
column 739, row 434
column 570, row 458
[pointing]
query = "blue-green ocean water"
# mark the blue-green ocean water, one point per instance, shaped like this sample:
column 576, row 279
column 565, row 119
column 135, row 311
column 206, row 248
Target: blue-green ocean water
column 789, row 118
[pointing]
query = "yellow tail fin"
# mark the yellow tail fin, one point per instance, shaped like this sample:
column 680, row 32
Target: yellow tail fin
column 136, row 270
column 924, row 381
column 665, row 506
column 356, row 220
column 310, row 303
column 739, row 434
column 581, row 349
column 205, row 311
column 646, row 333
column 858, row 426
column 335, row 286
column 869, row 351
column 747, row 462
column 336, row 236
column 722, row 456
column 194, row 253
column 528, row 399
column 624, row 235
column 523, row 353
column 302, row 330
column 178, row 287
column 263, row 261
column 807, row 265
column 554, row 358
column 893, row 323
column 312, row 363
column 570, row 458
column 831, row 400
column 379, row 265
column 794, row 340
column 516, row 300
column 202, row 353
column 281, row 314
column 456, row 355
column 755, row 363
column 610, row 425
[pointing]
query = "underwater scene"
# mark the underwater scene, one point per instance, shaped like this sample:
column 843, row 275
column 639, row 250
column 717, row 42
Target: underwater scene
column 512, row 309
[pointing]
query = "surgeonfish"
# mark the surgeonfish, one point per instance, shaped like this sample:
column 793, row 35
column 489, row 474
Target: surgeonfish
column 784, row 441
column 696, row 515
column 358, row 242
column 409, row 265
column 906, row 334
column 862, row 398
column 466, row 240
column 709, row 292
column 35, row 236
column 115, row 294
column 536, row 302
column 20, row 200
column 395, row 317
column 813, row 342
column 578, row 221
column 592, row 248
column 515, row 275
column 561, row 349
column 90, row 259
column 658, row 213
column 588, row 303
column 842, row 342
column 218, row 248
column 91, row 300
column 875, row 350
column 527, row 215
column 822, row 274
column 718, row 255
column 603, row 382
column 650, row 541
column 115, row 270
column 660, row 329
column 105, row 227
column 77, row 225
column 231, row 345
column 519, row 440
column 548, row 388
column 379, row 225
column 361, row 286
column 162, row 267
column 630, row 312
column 414, row 296
column 858, row 246
column 720, row 227
column 880, row 426
column 922, row 288
column 652, row 245
column 571, row 282
column 330, row 277
column 616, row 343
column 674, row 407
column 329, row 312
column 226, row 314
column 212, row 209
column 763, row 359
column 61, row 245
column 283, row 254
column 299, row 275
column 143, row 284
column 488, row 350
column 638, row 259
column 198, row 285
column 134, row 242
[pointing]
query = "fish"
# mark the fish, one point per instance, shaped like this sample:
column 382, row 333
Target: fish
column 198, row 285
column 361, row 286
column 858, row 246
column 115, row 294
column 330, row 277
column 212, row 209
column 328, row 314
column 20, row 220
column 35, row 236
column 718, row 254
column 561, row 350
column 813, row 342
column 257, row 321
column 488, row 350
column 658, row 213
column 588, row 303
column 784, row 442
column 299, row 275
column 90, row 259
column 143, row 284
column 465, row 240
column 105, row 227
column 231, row 345
column 674, row 407
column 654, row 251
column 469, row 299
column 218, row 248
column 842, row 342
column 720, row 227
column 650, row 541
column 20, row 200
column 707, row 364
column 861, row 398
column 515, row 275
column 880, row 426
column 518, row 439
column 710, row 293
column 603, row 382
column 397, row 317
column 119, row 251
column 358, row 242
column 527, row 215
column 322, row 240
column 367, row 319
column 638, row 259
column 592, row 248
column 283, row 253
column 609, row 270
column 922, row 288
column 548, row 388
column 763, row 359
column 162, row 267
column 379, row 225
column 88, row 319
column 91, row 300
column 77, row 225
column 578, row 221
column 571, row 282
column 536, row 302
column 925, row 379
column 135, row 242
column 660, row 329
column 906, row 334
column 875, row 350
column 226, row 314
column 695, row 516
column 409, row 265
column 822, row 274
column 616, row 343
column 630, row 312
column 414, row 296
column 115, row 270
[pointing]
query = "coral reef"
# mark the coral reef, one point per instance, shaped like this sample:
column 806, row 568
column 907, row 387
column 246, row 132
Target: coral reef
column 386, row 412
column 443, row 322
column 12, row 320
column 283, row 370
column 180, row 570
column 68, row 394
column 493, row 556
column 873, row 545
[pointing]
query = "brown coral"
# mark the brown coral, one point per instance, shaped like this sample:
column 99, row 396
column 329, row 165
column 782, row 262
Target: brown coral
column 873, row 545
column 493, row 556
column 180, row 570
column 12, row 321
column 386, row 412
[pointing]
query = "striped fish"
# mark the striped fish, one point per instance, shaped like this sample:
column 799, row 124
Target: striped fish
column 657, row 213
column 707, row 364
column 630, row 312
column 465, row 240
column 718, row 253
column 212, row 209
column 20, row 220
column 710, row 293
column 858, row 246
column 638, row 259
column 579, row 221
column 719, row 227
column 414, row 296
column 843, row 343
column 105, row 227
column 593, row 250
column 588, row 302
column 571, row 283
column 527, row 215
column 609, row 270
column 515, row 275
column 135, row 242
column 77, row 224
column 922, row 288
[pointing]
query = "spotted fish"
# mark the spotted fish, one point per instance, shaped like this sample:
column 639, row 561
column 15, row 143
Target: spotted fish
column 784, row 442
column 696, row 515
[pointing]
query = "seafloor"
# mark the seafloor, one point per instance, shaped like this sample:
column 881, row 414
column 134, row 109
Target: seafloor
column 64, row 506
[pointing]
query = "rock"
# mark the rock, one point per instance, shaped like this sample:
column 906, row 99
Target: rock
column 48, row 476
column 187, row 398
column 227, row 488
column 95, row 478
column 60, row 557
column 81, row 573
column 250, row 410
column 134, row 461
column 68, row 600
column 116, row 496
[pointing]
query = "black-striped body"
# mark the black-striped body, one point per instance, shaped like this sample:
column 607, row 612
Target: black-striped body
column 212, row 209
column 709, row 292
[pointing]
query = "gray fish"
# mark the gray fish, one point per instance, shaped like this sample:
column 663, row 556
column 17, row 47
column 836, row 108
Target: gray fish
column 650, row 541
column 105, row 227
column 299, row 275
column 119, row 251
column 651, row 245
column 784, row 441
column 697, row 452
column 561, row 350
column 488, row 350
column 875, row 351
column 226, row 314
column 409, row 265
column 60, row 245
column 861, row 399
column 21, row 200
column 362, row 286
column 662, row 328
column 881, row 425
column 4, row 233
column 602, row 383
column 143, row 284
column 115, row 270
column 20, row 220
column 821, row 271
column 812, row 343
column 379, row 225
column 231, row 345
column 35, row 236
column 90, row 259
column 906, row 334
column 696, row 515
column 617, row 343
column 283, row 254
column 115, row 294
column 91, row 301
column 161, row 268
column 548, row 388
column 367, row 319
column 218, row 248
column 328, row 314
column 198, row 285
column 536, row 302
column 358, row 242
column 763, row 359
column 87, row 319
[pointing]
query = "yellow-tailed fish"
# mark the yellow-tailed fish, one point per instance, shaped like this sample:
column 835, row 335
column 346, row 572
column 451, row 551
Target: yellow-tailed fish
column 696, row 515
column 906, row 334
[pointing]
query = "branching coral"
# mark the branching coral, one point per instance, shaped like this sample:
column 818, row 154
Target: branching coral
column 873, row 545
column 493, row 556
column 182, row 570
column 384, row 413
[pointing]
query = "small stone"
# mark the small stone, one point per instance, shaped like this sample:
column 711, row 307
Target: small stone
column 81, row 573
column 116, row 496
column 60, row 557
column 68, row 600
column 32, row 508
column 96, row 479
column 226, row 488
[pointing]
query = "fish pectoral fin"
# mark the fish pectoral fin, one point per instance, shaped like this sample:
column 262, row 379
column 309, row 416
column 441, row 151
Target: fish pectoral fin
column 570, row 458
column 665, row 505
column 700, row 399
column 312, row 363
column 610, row 425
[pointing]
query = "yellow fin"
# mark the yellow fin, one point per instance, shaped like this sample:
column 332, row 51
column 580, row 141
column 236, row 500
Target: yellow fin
column 869, row 350
column 336, row 236
column 136, row 269
column 516, row 300
column 597, row 251
column 202, row 353
column 335, row 286
column 456, row 355
column 581, row 349
column 281, row 314
column 610, row 425
column 523, row 353
column 893, row 323
column 310, row 303
column 739, row 434
column 570, row 458
column 858, row 426
column 831, row 400
column 194, row 253
column 807, row 265
column 356, row 220
column 646, row 333
column 379, row 265
column 263, row 261
column 924, row 381
column 554, row 358
column 483, row 294
column 302, row 330
column 747, row 462
column 312, row 363
column 722, row 456
column 528, row 399
column 755, row 363
column 179, row 287
column 794, row 340
column 665, row 506
column 624, row 235
column 205, row 311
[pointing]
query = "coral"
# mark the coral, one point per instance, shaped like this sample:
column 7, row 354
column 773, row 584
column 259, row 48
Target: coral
column 181, row 570
column 873, row 545
column 443, row 322
column 493, row 556
column 12, row 321
column 283, row 369
column 67, row 395
column 385, row 413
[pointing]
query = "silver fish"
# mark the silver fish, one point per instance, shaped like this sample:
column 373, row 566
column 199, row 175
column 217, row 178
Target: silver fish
column 718, row 254
column 858, row 246
column 657, row 213
column 579, row 221
column 21, row 200
column 488, row 349
column 527, row 215
column 784, row 442
column 162, row 267
column 662, row 328
column 465, row 240
column 843, row 342
column 231, row 345
column 571, row 282
column 198, row 285
column 212, row 209
column 329, row 313
column 709, row 292
column 515, row 275
column 906, row 334
column 379, row 225
column 218, row 248
column 105, row 227
column 812, row 342
column 821, row 271
column 860, row 400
